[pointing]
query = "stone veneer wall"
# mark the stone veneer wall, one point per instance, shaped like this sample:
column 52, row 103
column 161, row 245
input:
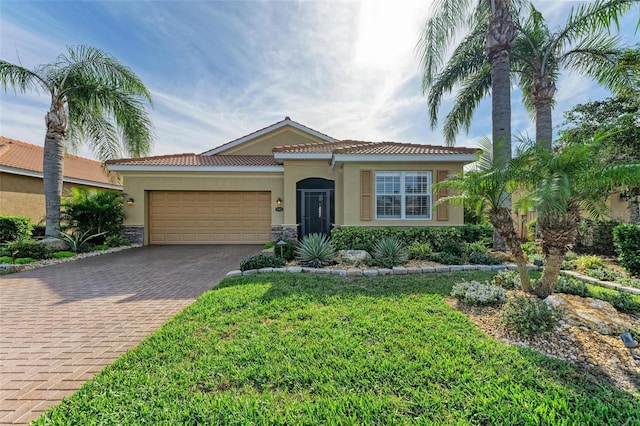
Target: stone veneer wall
column 280, row 232
column 135, row 234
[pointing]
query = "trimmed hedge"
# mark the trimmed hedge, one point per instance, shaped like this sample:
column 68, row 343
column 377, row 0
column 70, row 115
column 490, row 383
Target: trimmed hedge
column 595, row 237
column 13, row 228
column 626, row 239
column 365, row 238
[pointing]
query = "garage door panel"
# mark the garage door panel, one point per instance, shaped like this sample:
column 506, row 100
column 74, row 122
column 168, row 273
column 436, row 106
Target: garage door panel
column 209, row 217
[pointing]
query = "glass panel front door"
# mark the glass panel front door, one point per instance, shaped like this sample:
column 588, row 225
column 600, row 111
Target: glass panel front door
column 316, row 211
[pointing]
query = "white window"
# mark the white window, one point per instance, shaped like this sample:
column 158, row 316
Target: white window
column 403, row 195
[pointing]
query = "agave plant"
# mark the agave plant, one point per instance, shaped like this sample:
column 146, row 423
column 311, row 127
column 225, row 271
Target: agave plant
column 78, row 241
column 389, row 252
column 316, row 251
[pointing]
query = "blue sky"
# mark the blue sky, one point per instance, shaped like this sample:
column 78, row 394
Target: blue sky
column 218, row 70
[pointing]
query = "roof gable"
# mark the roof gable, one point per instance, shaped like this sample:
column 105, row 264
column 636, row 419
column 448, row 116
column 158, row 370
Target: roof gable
column 279, row 126
column 19, row 157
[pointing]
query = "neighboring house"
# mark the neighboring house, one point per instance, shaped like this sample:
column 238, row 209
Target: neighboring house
column 21, row 186
column 285, row 181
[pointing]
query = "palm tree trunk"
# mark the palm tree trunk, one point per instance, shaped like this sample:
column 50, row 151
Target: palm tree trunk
column 542, row 94
column 558, row 231
column 499, row 41
column 547, row 283
column 52, row 168
column 503, row 224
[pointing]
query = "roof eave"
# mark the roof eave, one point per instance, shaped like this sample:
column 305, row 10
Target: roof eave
column 147, row 168
column 403, row 158
column 69, row 179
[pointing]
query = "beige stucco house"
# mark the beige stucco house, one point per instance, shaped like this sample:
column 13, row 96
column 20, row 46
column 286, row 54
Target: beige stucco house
column 21, row 186
column 285, row 181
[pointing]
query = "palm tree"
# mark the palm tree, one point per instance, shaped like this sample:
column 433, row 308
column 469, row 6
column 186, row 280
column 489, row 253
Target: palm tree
column 561, row 185
column 93, row 98
column 491, row 25
column 536, row 59
column 485, row 188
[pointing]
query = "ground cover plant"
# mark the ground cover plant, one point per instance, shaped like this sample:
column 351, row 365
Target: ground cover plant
column 318, row 349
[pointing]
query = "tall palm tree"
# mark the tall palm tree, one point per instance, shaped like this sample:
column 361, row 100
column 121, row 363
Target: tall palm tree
column 491, row 24
column 485, row 188
column 94, row 98
column 563, row 183
column 537, row 56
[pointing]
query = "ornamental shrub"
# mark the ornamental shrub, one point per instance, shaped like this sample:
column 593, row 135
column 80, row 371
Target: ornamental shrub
column 476, row 258
column 94, row 212
column 316, row 251
column 419, row 251
column 596, row 237
column 13, row 228
column 476, row 293
column 25, row 260
column 588, row 261
column 626, row 238
column 26, row 248
column 446, row 259
column 622, row 301
column 261, row 260
column 569, row 285
column 531, row 247
column 287, row 251
column 452, row 247
column 507, row 279
column 529, row 315
column 6, row 259
column 62, row 254
column 603, row 274
column 389, row 252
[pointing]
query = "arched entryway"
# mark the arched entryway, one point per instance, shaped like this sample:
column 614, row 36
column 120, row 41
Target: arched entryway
column 315, row 210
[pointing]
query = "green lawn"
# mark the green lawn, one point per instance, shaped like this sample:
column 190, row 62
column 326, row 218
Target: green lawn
column 314, row 349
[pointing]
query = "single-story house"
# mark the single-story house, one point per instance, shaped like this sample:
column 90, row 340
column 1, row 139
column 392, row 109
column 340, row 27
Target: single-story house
column 285, row 181
column 21, row 186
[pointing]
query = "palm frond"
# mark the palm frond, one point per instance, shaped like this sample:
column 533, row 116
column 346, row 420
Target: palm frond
column 21, row 78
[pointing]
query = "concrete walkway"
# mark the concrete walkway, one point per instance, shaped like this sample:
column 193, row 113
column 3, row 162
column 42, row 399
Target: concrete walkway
column 61, row 324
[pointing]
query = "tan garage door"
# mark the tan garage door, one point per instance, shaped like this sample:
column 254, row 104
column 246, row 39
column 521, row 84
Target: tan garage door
column 193, row 217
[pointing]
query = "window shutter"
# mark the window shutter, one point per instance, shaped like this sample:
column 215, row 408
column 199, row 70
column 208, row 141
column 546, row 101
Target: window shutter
column 365, row 195
column 443, row 209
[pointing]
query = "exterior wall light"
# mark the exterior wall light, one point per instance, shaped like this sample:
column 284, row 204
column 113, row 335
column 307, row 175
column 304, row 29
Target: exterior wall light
column 130, row 201
column 279, row 203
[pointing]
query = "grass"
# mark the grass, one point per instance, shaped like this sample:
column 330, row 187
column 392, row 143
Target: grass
column 311, row 349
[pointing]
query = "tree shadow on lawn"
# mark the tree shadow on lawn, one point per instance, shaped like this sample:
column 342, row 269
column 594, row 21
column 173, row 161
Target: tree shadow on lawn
column 327, row 289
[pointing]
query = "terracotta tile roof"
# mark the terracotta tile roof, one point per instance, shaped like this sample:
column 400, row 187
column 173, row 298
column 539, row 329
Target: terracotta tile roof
column 318, row 147
column 21, row 155
column 397, row 148
column 199, row 160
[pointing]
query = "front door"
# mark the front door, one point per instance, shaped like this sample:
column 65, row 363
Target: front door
column 316, row 211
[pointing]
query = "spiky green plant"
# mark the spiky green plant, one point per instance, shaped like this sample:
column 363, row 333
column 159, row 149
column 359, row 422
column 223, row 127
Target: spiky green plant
column 389, row 252
column 316, row 251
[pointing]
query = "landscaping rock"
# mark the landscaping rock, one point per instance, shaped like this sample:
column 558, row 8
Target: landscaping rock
column 354, row 272
column 469, row 267
column 279, row 270
column 427, row 269
column 498, row 267
column 236, row 273
column 294, row 269
column 353, row 257
column 370, row 272
column 456, row 268
column 265, row 270
column 594, row 314
column 339, row 272
column 484, row 267
column 55, row 244
column 250, row 272
column 384, row 271
column 399, row 270
column 442, row 269
column 414, row 270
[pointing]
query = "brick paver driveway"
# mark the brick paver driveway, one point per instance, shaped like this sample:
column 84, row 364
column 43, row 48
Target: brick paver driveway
column 61, row 324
